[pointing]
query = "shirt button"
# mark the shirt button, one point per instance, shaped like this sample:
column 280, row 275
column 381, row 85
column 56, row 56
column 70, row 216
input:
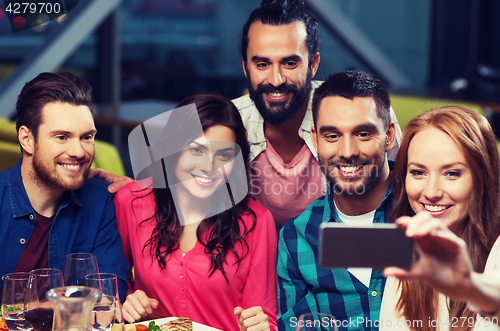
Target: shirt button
column 182, row 263
column 32, row 217
column 181, row 277
column 182, row 289
column 22, row 241
column 374, row 293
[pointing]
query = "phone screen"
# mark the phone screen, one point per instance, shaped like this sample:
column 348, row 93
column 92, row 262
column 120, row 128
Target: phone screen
column 377, row 246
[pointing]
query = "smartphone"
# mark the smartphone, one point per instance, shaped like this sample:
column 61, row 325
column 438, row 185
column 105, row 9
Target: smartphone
column 376, row 246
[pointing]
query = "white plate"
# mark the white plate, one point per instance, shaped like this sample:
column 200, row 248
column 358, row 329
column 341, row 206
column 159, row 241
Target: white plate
column 196, row 326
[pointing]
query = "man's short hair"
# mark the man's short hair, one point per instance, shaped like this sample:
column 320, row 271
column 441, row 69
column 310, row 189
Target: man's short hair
column 351, row 84
column 46, row 88
column 282, row 12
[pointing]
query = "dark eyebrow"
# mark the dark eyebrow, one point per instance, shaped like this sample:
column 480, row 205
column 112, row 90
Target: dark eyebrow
column 293, row 57
column 226, row 149
column 327, row 128
column 361, row 127
column 90, row 132
column 200, row 145
column 60, row 132
column 56, row 132
column 366, row 126
column 257, row 58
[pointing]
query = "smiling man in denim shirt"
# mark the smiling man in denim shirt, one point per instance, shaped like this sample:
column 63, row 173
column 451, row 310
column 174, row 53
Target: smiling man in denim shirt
column 48, row 207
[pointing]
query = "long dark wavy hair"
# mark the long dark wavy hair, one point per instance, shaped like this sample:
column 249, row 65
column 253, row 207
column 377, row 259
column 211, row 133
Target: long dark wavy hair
column 219, row 234
column 474, row 136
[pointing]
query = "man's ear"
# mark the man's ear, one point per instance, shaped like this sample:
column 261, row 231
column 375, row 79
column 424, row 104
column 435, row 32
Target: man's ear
column 26, row 139
column 390, row 136
column 243, row 64
column 314, row 137
column 315, row 64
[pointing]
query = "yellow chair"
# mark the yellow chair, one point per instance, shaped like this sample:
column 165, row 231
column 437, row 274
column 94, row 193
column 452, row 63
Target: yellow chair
column 108, row 158
column 8, row 131
column 10, row 153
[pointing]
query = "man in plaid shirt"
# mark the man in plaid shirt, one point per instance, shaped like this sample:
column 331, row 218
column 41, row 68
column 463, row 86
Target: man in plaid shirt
column 352, row 132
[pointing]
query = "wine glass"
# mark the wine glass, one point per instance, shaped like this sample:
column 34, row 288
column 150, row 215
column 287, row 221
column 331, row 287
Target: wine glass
column 107, row 310
column 37, row 309
column 14, row 294
column 316, row 322
column 77, row 266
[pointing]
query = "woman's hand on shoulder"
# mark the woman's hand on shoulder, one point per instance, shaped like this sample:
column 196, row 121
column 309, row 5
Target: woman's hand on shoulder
column 138, row 306
column 252, row 319
column 115, row 181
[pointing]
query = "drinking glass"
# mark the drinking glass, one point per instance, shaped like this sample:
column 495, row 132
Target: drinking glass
column 14, row 294
column 107, row 310
column 37, row 309
column 77, row 266
column 316, row 322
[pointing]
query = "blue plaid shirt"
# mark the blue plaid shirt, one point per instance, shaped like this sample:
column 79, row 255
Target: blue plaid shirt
column 306, row 287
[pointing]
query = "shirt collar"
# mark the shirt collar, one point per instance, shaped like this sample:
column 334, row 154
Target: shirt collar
column 307, row 122
column 20, row 203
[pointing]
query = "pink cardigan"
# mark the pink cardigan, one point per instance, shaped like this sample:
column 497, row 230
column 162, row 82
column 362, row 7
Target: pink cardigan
column 183, row 288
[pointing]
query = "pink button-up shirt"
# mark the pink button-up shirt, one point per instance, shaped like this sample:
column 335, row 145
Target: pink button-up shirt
column 183, row 288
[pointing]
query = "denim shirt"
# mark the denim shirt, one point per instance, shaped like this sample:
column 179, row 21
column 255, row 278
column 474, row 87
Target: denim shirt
column 84, row 222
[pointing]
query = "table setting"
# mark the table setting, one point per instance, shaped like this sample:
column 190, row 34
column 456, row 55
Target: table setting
column 79, row 298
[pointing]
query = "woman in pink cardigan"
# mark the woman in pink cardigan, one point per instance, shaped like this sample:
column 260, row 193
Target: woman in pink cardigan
column 199, row 246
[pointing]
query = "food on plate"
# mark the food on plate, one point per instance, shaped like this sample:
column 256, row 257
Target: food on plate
column 3, row 327
column 182, row 323
column 118, row 327
column 140, row 327
column 153, row 327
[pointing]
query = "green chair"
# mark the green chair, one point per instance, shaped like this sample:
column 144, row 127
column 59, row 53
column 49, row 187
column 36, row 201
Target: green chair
column 408, row 107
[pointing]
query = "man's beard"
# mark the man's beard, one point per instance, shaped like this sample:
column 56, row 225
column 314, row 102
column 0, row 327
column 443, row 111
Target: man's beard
column 51, row 178
column 280, row 112
column 358, row 185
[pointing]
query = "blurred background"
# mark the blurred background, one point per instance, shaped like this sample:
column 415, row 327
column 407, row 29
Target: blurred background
column 144, row 56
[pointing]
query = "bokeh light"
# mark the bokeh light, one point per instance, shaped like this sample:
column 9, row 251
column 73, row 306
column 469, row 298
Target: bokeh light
column 40, row 25
column 43, row 18
column 19, row 22
column 61, row 18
